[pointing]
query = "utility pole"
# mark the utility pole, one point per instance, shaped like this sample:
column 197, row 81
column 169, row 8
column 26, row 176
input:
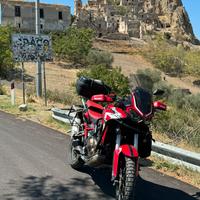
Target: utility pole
column 38, row 64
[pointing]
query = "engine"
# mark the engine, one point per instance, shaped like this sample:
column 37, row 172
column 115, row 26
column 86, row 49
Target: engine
column 91, row 145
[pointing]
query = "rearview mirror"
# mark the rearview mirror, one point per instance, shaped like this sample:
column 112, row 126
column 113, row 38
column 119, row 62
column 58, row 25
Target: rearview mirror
column 158, row 92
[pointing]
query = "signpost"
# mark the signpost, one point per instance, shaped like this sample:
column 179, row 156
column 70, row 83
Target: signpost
column 38, row 63
column 45, row 85
column 31, row 48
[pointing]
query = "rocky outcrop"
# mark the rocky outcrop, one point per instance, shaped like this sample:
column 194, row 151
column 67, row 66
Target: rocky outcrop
column 175, row 20
column 136, row 18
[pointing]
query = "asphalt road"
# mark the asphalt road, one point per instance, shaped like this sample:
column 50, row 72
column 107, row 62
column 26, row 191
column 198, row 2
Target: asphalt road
column 33, row 165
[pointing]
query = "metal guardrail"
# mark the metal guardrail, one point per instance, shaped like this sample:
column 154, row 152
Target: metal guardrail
column 174, row 154
column 177, row 155
column 62, row 115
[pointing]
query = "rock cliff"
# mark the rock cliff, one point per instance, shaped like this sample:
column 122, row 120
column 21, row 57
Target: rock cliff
column 174, row 19
column 136, row 18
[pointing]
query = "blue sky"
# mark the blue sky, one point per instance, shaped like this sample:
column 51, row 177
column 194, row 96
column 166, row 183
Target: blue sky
column 192, row 7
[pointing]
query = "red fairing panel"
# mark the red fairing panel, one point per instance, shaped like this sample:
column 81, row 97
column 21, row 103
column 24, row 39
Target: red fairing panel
column 126, row 150
column 101, row 98
column 113, row 113
column 95, row 115
column 91, row 104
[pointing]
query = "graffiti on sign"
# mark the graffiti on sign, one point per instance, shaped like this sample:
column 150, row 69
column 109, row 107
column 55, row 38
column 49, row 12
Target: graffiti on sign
column 31, row 48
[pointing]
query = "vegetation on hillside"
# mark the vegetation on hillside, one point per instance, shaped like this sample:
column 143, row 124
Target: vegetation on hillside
column 6, row 60
column 2, row 90
column 73, row 44
column 175, row 60
column 96, row 57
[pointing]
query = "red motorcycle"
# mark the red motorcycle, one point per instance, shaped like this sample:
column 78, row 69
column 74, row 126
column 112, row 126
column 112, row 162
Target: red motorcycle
column 107, row 130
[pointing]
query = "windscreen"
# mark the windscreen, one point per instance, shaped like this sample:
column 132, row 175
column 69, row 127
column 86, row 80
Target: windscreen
column 143, row 100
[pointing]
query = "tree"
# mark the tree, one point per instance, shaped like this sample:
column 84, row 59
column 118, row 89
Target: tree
column 6, row 60
column 73, row 44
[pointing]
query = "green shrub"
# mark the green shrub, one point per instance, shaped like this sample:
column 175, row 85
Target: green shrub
column 2, row 90
column 145, row 78
column 192, row 60
column 112, row 77
column 96, row 57
column 179, row 124
column 175, row 60
column 193, row 101
column 121, row 10
column 177, row 98
column 168, row 89
column 169, row 61
column 6, row 60
column 181, row 100
column 73, row 44
column 166, row 57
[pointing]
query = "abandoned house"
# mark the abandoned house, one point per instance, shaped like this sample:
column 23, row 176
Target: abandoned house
column 21, row 15
column 134, row 18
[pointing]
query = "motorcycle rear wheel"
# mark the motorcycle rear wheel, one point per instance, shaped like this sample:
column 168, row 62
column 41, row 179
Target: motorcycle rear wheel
column 125, row 188
column 74, row 158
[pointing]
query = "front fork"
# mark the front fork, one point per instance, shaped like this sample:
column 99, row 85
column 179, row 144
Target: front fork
column 125, row 150
column 118, row 140
column 135, row 142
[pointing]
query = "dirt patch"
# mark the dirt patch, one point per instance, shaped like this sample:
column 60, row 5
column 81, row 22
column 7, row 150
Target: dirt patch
column 130, row 63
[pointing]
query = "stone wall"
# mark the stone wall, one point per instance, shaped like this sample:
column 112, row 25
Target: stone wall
column 26, row 21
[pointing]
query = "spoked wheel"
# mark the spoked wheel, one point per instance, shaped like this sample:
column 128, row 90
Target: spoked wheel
column 74, row 158
column 125, row 188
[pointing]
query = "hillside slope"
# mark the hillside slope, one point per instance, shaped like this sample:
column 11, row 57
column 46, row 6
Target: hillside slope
column 126, row 55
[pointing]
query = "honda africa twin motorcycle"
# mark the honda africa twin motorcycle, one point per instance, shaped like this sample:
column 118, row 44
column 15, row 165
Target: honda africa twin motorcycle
column 111, row 131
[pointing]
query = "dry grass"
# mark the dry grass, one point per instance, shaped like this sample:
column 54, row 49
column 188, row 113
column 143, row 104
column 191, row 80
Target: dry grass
column 57, row 77
column 117, row 46
column 179, row 172
column 181, row 144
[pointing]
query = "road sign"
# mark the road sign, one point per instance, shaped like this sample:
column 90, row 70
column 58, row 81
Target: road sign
column 31, row 48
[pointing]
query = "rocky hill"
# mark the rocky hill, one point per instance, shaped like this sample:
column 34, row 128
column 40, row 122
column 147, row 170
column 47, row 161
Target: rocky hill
column 136, row 18
column 175, row 20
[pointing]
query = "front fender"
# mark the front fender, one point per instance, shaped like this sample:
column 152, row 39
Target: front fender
column 127, row 151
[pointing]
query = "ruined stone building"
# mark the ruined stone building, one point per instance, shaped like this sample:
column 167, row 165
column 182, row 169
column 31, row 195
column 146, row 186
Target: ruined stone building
column 21, row 15
column 135, row 18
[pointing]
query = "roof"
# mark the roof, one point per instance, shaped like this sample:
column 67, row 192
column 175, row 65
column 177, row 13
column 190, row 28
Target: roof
column 32, row 2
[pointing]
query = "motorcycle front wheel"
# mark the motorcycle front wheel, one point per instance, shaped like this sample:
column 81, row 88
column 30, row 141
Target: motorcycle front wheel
column 125, row 188
column 74, row 158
